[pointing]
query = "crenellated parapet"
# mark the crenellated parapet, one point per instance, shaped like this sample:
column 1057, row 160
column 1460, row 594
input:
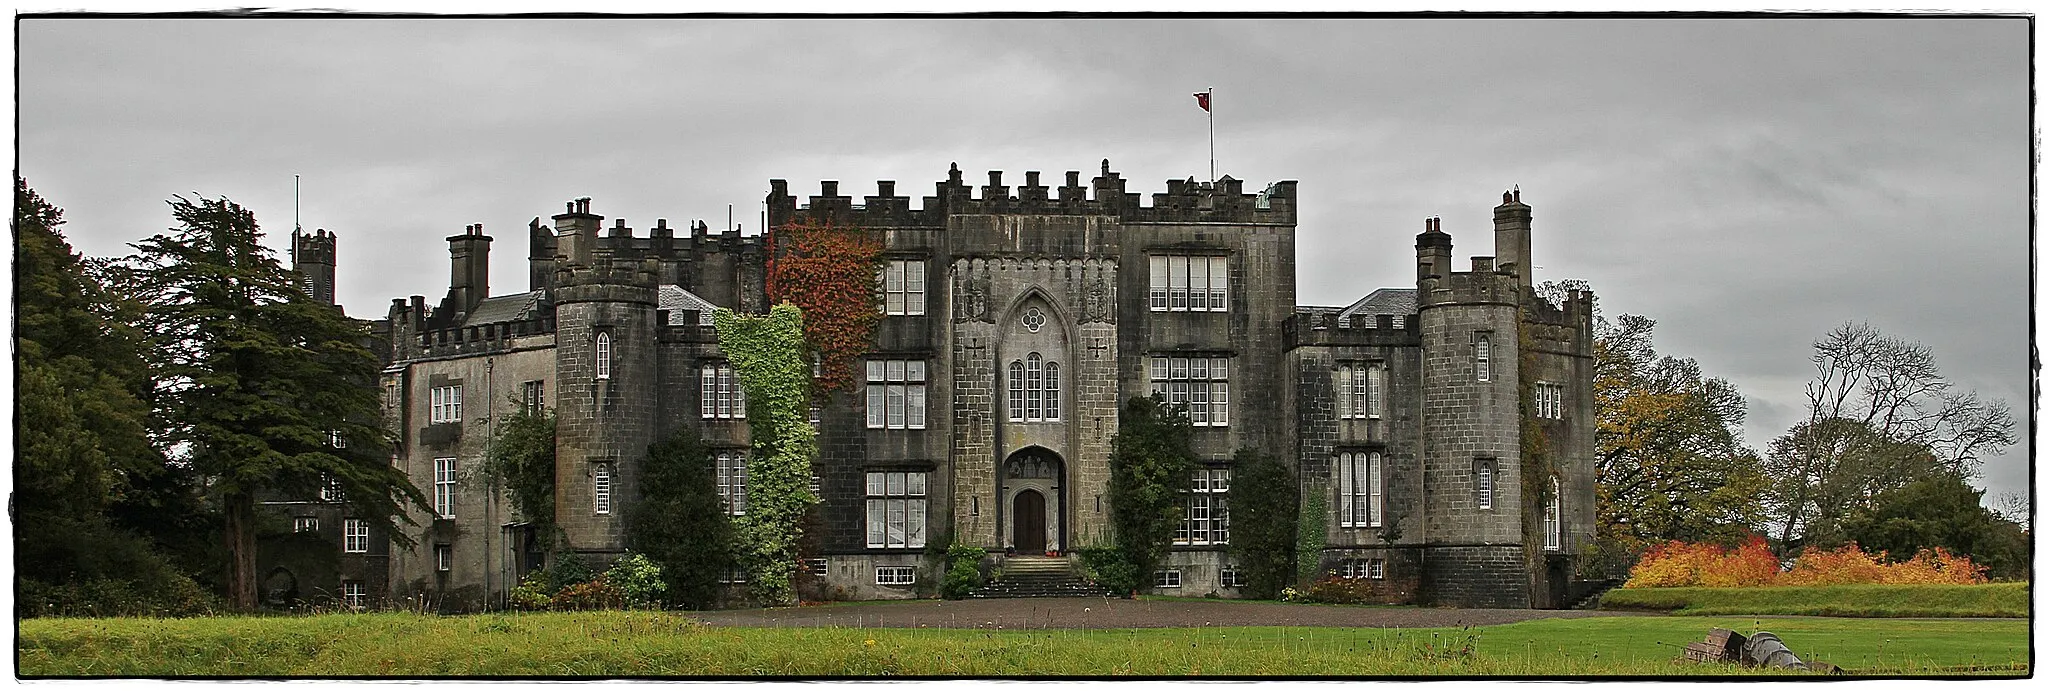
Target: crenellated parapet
column 1328, row 328
column 694, row 258
column 1184, row 201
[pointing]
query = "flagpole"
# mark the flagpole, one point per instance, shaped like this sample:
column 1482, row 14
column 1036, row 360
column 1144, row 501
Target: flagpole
column 1212, row 135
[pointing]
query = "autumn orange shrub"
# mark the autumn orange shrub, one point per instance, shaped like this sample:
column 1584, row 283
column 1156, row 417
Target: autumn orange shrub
column 1679, row 564
column 1850, row 564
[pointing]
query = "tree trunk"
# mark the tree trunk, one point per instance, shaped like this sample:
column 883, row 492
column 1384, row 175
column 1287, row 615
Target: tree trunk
column 241, row 539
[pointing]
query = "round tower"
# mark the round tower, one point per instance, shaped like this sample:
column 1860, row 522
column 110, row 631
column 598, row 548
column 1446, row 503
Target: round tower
column 605, row 335
column 1471, row 429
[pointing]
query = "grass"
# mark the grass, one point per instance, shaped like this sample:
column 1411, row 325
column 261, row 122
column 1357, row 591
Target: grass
column 612, row 644
column 1991, row 600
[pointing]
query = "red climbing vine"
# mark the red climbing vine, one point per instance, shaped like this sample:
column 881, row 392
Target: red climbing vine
column 833, row 274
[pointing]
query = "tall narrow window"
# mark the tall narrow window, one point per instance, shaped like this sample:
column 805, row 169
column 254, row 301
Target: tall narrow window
column 444, row 487
column 1016, row 390
column 1159, row 274
column 732, row 481
column 1052, row 391
column 1208, row 509
column 1034, row 387
column 903, row 287
column 895, row 510
column 1361, row 491
column 1219, row 284
column 601, row 488
column 1201, row 384
column 1376, row 391
column 535, row 397
column 1482, row 484
column 445, row 404
column 1482, row 359
column 355, row 535
column 896, row 394
column 720, row 394
column 604, row 355
column 1553, row 518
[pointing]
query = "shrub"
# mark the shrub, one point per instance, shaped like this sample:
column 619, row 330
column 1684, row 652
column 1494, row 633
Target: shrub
column 596, row 594
column 568, row 570
column 156, row 595
column 1332, row 590
column 532, row 593
column 1110, row 569
column 1679, row 564
column 638, row 580
column 963, row 571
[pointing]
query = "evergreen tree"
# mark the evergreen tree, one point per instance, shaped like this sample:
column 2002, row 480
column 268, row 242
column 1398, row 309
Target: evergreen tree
column 680, row 522
column 83, row 460
column 1150, row 466
column 83, row 425
column 253, row 377
column 1263, row 504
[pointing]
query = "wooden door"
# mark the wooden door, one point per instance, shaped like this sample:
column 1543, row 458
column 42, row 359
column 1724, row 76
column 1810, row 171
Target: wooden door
column 1027, row 520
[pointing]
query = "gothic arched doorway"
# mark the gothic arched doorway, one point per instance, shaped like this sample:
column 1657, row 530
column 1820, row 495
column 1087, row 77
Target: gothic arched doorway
column 1034, row 501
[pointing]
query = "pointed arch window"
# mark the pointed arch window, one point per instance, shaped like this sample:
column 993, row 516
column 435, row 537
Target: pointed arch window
column 1034, row 389
column 604, row 355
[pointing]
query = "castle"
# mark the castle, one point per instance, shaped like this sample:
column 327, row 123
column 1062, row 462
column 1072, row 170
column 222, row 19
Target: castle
column 1448, row 427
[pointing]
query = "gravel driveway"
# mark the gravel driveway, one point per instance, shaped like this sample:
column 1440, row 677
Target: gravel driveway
column 1099, row 613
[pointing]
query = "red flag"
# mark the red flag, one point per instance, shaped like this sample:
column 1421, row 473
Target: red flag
column 1202, row 99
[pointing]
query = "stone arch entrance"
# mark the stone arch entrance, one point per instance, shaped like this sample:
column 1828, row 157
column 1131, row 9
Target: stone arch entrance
column 1033, row 498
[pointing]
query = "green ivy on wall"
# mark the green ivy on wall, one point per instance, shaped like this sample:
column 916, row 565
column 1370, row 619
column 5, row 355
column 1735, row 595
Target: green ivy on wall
column 768, row 354
column 1313, row 532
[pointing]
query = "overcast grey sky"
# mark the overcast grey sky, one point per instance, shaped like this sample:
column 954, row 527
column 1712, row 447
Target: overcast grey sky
column 1749, row 183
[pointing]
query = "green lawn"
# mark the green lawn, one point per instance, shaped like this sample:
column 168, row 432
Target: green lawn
column 657, row 644
column 1991, row 600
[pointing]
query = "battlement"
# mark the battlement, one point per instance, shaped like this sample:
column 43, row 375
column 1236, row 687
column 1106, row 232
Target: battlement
column 1576, row 312
column 1184, row 201
column 1328, row 328
column 314, row 248
column 1484, row 284
column 476, row 340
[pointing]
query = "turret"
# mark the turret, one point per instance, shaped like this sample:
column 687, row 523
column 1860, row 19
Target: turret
column 1470, row 410
column 313, row 258
column 1511, row 237
column 469, row 268
column 606, row 323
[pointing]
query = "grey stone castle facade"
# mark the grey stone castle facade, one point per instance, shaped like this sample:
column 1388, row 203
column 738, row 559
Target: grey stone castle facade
column 1017, row 320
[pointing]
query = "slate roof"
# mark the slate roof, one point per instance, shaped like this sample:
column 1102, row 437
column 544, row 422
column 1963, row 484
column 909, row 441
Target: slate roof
column 675, row 300
column 504, row 308
column 1399, row 302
